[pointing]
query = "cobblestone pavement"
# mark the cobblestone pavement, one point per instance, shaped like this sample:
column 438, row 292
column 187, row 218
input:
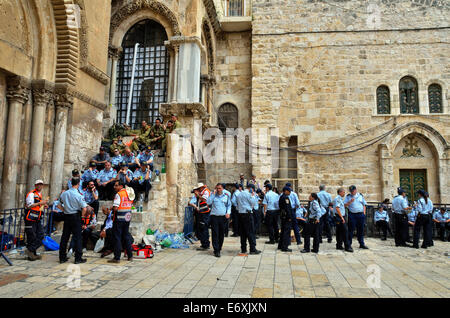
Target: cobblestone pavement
column 405, row 272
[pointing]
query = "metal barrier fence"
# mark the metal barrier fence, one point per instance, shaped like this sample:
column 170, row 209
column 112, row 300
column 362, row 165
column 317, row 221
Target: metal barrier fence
column 12, row 229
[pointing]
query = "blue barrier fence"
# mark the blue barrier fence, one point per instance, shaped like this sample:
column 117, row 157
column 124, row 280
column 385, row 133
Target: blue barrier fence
column 12, row 229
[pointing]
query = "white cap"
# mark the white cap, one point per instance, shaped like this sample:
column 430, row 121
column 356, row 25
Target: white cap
column 39, row 182
column 199, row 185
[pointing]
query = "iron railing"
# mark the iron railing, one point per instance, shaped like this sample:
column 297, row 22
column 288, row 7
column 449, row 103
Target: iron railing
column 234, row 8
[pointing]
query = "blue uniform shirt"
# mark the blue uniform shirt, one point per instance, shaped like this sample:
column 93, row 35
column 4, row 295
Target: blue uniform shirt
column 128, row 159
column 356, row 206
column 381, row 215
column 193, row 200
column 300, row 212
column 88, row 196
column 72, row 201
column 143, row 157
column 324, row 198
column 293, row 197
column 338, row 202
column 139, row 173
column 315, row 210
column 116, row 160
column 441, row 218
column 105, row 176
column 55, row 206
column 399, row 204
column 220, row 204
column 129, row 174
column 234, row 196
column 245, row 201
column 89, row 175
column 271, row 200
column 423, row 207
column 412, row 215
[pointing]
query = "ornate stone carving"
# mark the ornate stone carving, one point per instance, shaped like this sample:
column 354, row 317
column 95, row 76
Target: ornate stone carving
column 212, row 15
column 209, row 46
column 42, row 92
column 115, row 52
column 175, row 41
column 63, row 100
column 411, row 148
column 95, row 73
column 131, row 8
column 18, row 89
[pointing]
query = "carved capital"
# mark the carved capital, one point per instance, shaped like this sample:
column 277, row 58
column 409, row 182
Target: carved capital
column 63, row 100
column 174, row 42
column 18, row 89
column 115, row 52
column 42, row 92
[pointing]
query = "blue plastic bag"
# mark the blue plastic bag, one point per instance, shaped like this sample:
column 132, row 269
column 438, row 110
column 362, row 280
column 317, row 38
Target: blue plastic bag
column 50, row 244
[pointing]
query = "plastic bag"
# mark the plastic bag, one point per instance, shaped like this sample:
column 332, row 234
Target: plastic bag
column 99, row 245
column 50, row 244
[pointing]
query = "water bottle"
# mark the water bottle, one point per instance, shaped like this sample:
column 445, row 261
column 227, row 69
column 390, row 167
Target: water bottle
column 163, row 168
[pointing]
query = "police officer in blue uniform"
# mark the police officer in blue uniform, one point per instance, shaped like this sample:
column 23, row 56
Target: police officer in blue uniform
column 246, row 200
column 220, row 203
column 325, row 201
column 441, row 219
column 286, row 216
column 271, row 213
column 356, row 205
column 341, row 222
column 73, row 205
column 312, row 224
column 401, row 209
column 424, row 209
column 234, row 212
column 295, row 203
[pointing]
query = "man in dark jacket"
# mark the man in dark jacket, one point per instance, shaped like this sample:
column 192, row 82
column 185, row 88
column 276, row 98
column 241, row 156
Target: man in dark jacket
column 286, row 213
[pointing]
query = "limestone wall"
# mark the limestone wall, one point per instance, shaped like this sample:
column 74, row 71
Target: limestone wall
column 3, row 119
column 318, row 81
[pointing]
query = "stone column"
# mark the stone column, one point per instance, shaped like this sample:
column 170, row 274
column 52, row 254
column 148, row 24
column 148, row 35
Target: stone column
column 17, row 94
column 172, row 172
column 114, row 54
column 387, row 172
column 176, row 50
column 284, row 157
column 63, row 103
column 42, row 95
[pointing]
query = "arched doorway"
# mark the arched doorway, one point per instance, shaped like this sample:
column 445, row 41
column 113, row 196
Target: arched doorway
column 151, row 77
column 415, row 166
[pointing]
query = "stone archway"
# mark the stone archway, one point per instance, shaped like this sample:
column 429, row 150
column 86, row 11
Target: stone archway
column 435, row 153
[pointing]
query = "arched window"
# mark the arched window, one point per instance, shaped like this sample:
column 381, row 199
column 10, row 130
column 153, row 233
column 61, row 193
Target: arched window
column 435, row 98
column 383, row 100
column 409, row 95
column 151, row 78
column 227, row 117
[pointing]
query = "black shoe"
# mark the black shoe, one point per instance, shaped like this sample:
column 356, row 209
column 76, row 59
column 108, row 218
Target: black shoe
column 255, row 252
column 383, row 239
column 146, row 198
column 61, row 261
column 424, row 246
column 339, row 248
column 330, row 240
column 217, row 254
column 415, row 246
column 256, row 237
column 243, row 252
column 298, row 243
column 364, row 247
column 234, row 235
column 201, row 248
column 270, row 242
column 80, row 261
column 304, row 251
column 350, row 250
column 277, row 240
column 287, row 250
column 320, row 241
column 315, row 251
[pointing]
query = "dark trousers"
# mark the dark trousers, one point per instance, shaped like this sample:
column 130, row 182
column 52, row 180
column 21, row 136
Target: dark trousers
column 109, row 240
column 247, row 231
column 95, row 205
column 106, row 192
column 202, row 225
column 217, row 231
column 285, row 235
column 86, row 234
column 422, row 221
column 227, row 226
column 235, row 220
column 256, row 221
column 312, row 229
column 356, row 220
column 296, row 229
column 442, row 228
column 53, row 217
column 325, row 226
column 301, row 226
column 341, row 234
column 72, row 225
column 383, row 225
column 35, row 234
column 401, row 229
column 144, row 187
column 121, row 234
column 272, row 225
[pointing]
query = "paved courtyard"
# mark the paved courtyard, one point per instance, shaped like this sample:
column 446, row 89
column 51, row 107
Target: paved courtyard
column 405, row 272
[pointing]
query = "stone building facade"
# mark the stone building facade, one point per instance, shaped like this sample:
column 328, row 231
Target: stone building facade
column 358, row 90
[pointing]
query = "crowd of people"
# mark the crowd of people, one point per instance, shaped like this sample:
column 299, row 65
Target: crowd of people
column 247, row 205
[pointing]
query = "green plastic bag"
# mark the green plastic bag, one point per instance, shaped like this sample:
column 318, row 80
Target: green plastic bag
column 166, row 243
column 150, row 232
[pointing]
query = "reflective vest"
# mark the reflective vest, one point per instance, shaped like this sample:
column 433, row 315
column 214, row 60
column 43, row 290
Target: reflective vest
column 86, row 220
column 123, row 213
column 203, row 207
column 34, row 214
